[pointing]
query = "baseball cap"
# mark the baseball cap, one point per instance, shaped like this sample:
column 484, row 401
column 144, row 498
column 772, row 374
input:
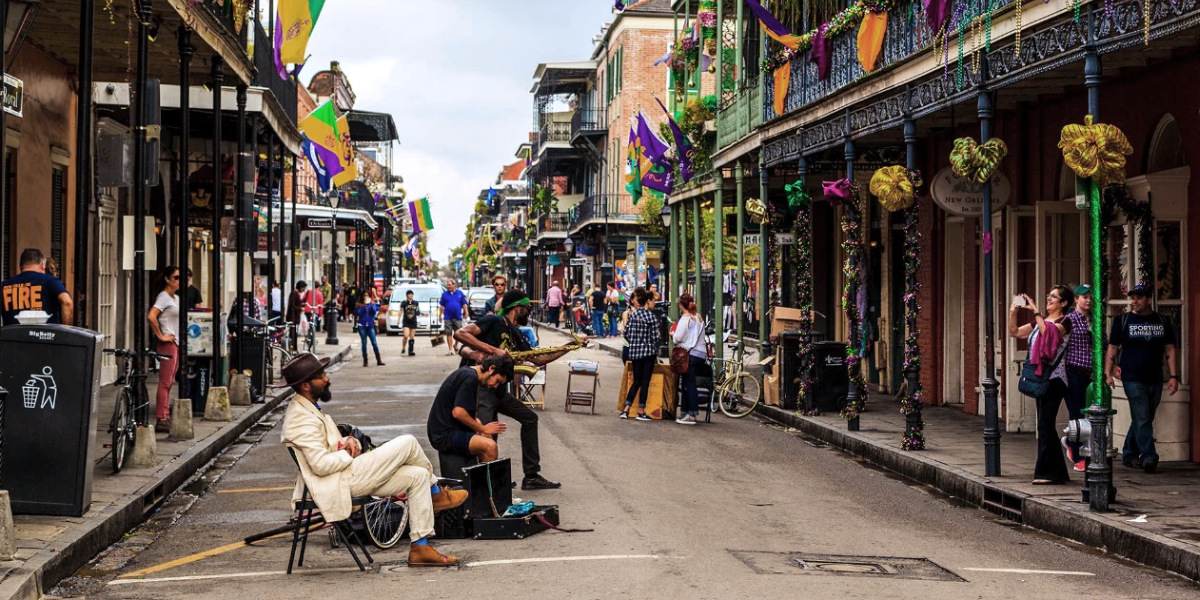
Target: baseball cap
column 1083, row 289
column 1140, row 290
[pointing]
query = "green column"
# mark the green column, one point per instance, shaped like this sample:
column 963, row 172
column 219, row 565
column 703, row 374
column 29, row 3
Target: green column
column 673, row 254
column 738, row 49
column 720, row 55
column 764, row 282
column 719, row 262
column 697, row 256
column 740, row 295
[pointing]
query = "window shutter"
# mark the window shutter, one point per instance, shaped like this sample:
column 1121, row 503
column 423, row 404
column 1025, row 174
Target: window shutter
column 58, row 199
column 6, row 252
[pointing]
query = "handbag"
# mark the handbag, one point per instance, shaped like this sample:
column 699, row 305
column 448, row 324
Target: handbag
column 1032, row 384
column 679, row 355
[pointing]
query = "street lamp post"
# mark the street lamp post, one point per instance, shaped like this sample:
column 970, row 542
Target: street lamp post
column 331, row 317
column 991, row 387
column 141, row 105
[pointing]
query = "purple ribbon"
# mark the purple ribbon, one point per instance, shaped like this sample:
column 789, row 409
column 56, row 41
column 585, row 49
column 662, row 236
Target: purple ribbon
column 822, row 52
column 936, row 13
column 837, row 192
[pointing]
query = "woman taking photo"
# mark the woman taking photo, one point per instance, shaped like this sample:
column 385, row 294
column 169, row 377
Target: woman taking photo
column 689, row 335
column 1048, row 337
column 367, row 311
column 642, row 334
column 164, row 323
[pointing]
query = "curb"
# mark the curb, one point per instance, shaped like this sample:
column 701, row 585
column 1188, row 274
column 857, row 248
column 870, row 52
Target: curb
column 1078, row 525
column 62, row 558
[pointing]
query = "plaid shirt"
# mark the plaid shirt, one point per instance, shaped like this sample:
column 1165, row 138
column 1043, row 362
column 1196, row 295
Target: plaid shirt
column 1079, row 345
column 641, row 331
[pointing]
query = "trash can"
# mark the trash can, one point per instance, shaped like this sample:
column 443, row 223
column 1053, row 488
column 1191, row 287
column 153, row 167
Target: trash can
column 49, row 424
column 832, row 381
column 198, row 379
column 790, row 369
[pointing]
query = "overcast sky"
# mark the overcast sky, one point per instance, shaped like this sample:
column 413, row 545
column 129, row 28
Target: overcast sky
column 455, row 75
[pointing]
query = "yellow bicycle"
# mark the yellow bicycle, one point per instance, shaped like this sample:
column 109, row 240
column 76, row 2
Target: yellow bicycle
column 735, row 392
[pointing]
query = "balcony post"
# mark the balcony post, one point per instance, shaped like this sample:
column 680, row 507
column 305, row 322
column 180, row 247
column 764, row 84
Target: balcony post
column 672, row 293
column 239, row 218
column 719, row 259
column 83, row 163
column 739, row 297
column 720, row 76
column 218, row 202
column 696, row 229
column 852, row 424
column 185, row 125
column 991, row 386
column 140, row 138
column 764, row 297
column 912, row 374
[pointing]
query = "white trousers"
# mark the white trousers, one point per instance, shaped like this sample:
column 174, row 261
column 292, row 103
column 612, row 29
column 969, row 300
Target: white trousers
column 398, row 467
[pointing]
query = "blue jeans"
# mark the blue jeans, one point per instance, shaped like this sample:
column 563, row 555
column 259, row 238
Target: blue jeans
column 1143, row 403
column 691, row 395
column 612, row 326
column 368, row 332
column 598, row 322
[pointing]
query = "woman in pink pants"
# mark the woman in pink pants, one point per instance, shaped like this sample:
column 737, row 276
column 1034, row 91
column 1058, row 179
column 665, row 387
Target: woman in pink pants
column 164, row 322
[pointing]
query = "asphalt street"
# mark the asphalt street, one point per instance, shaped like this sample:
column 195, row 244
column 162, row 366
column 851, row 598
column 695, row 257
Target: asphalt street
column 731, row 509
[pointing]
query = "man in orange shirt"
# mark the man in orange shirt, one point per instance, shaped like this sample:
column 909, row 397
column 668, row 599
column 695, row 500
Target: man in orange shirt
column 33, row 289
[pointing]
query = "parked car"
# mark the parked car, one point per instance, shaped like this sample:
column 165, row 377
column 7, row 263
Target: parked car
column 476, row 299
column 427, row 295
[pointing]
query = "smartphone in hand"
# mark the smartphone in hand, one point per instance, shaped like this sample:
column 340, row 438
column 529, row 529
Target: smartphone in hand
column 1019, row 300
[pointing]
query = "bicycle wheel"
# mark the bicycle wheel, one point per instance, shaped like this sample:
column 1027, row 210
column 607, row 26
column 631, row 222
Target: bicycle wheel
column 386, row 520
column 121, row 424
column 310, row 339
column 740, row 396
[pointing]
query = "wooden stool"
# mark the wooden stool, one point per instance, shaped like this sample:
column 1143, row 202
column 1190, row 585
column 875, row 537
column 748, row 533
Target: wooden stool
column 582, row 396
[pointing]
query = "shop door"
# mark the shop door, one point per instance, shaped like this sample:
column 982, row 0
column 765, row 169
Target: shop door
column 106, row 288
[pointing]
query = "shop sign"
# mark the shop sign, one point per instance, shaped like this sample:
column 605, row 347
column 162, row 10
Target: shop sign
column 14, row 95
column 578, row 262
column 752, row 239
column 785, row 239
column 319, row 223
column 964, row 198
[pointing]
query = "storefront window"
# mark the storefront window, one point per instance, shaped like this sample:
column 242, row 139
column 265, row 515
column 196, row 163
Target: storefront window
column 1065, row 261
column 1118, row 255
column 1167, row 258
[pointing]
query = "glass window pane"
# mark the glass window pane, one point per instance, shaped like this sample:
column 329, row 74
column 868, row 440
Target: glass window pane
column 1118, row 261
column 1168, row 261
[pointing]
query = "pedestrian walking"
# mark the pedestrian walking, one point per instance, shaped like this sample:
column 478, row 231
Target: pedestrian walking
column 554, row 302
column 612, row 306
column 164, row 323
column 276, row 301
column 1079, row 366
column 1141, row 337
column 1048, row 336
column 192, row 297
column 368, row 314
column 409, row 311
column 451, row 307
column 689, row 336
column 598, row 301
column 34, row 289
column 642, row 334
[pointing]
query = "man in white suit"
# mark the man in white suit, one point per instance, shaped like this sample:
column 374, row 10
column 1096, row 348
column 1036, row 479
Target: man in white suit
column 336, row 469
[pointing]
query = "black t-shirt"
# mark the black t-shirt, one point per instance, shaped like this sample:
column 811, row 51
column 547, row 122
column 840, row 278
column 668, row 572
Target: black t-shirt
column 458, row 390
column 410, row 308
column 193, row 298
column 31, row 290
column 496, row 331
column 598, row 300
column 1143, row 341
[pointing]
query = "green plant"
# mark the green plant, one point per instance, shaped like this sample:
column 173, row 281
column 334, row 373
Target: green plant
column 648, row 215
column 544, row 201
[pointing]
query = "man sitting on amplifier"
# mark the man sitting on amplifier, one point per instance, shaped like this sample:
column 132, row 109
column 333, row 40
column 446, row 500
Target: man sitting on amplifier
column 453, row 427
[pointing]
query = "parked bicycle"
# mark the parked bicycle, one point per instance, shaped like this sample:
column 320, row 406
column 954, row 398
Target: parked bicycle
column 735, row 392
column 132, row 409
column 279, row 337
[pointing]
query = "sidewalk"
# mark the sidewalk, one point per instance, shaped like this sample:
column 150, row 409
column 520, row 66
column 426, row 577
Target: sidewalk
column 51, row 548
column 953, row 463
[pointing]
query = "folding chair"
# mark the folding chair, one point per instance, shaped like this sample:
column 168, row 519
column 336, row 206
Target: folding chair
column 304, row 521
column 527, row 389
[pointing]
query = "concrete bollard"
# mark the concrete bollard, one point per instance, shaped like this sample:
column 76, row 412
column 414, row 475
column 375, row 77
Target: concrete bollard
column 8, row 536
column 181, row 420
column 145, row 448
column 239, row 389
column 217, row 408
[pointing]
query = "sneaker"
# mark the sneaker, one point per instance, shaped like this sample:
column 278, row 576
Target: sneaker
column 686, row 420
column 624, row 415
column 1133, row 464
column 642, row 418
column 1067, row 448
column 537, row 482
column 1081, row 466
column 1150, row 465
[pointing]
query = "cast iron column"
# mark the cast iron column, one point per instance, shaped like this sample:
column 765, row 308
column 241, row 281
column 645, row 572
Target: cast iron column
column 855, row 329
column 239, row 217
column 83, row 162
column 271, row 238
column 139, row 196
column 295, row 234
column 218, row 202
column 739, row 296
column 912, row 420
column 696, row 229
column 719, row 266
column 331, row 315
column 671, row 291
column 991, row 386
column 1098, row 488
column 764, row 297
column 185, row 192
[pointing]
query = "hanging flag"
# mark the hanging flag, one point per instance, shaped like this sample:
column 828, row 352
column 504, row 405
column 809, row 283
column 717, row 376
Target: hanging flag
column 656, row 168
column 418, row 211
column 345, row 152
column 412, row 248
column 490, row 196
column 684, row 150
column 633, row 167
column 294, row 23
column 321, row 130
column 314, row 159
column 772, row 27
column 619, row 5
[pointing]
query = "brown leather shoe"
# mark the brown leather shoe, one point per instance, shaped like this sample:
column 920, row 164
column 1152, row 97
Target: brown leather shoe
column 162, row 426
column 448, row 499
column 425, row 556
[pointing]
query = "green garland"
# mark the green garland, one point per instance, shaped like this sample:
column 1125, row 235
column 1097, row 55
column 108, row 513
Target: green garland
column 842, row 22
column 852, row 271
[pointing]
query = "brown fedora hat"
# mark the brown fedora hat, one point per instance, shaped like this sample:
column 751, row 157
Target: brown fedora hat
column 302, row 368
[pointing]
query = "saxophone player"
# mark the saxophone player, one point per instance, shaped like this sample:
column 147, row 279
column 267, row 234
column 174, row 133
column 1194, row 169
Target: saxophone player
column 499, row 335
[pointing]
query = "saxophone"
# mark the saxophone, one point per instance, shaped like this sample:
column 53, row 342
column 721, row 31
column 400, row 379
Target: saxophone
column 529, row 370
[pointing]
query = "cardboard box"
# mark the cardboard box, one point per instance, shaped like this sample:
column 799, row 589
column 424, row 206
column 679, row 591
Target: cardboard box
column 661, row 399
column 771, row 390
column 784, row 318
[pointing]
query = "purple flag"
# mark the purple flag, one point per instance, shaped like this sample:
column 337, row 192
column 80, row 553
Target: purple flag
column 937, row 12
column 655, row 151
column 767, row 19
column 822, row 51
column 684, row 149
column 619, row 5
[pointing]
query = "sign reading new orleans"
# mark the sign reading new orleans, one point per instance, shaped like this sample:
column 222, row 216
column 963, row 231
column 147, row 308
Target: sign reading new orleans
column 965, row 198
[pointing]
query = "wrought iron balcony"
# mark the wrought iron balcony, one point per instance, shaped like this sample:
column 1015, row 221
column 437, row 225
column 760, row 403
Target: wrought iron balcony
column 589, row 122
column 554, row 131
column 267, row 76
column 596, row 206
column 555, row 222
column 742, row 117
column 223, row 11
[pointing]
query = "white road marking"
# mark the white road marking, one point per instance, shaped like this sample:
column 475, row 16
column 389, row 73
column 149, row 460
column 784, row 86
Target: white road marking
column 223, row 576
column 515, row 561
column 1029, row 571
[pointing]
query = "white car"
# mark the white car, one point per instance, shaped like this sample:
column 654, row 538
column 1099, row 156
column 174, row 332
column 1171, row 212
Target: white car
column 427, row 295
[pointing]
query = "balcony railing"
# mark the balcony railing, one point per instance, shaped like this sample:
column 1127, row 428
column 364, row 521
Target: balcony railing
column 741, row 117
column 907, row 35
column 267, row 76
column 597, row 206
column 589, row 121
column 554, row 131
column 555, row 222
column 223, row 11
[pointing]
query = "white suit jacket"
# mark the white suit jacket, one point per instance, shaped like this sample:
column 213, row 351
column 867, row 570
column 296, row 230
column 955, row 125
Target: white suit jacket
column 325, row 469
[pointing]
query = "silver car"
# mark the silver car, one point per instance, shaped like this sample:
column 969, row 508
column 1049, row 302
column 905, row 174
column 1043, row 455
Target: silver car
column 427, row 295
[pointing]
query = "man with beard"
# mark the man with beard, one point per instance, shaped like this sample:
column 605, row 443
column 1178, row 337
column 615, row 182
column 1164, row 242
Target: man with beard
column 336, row 469
column 453, row 427
column 497, row 335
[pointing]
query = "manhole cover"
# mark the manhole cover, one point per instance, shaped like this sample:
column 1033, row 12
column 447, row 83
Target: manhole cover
column 793, row 563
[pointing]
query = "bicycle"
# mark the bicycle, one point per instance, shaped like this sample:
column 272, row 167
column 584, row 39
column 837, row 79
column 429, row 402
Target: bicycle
column 128, row 413
column 735, row 392
column 278, row 340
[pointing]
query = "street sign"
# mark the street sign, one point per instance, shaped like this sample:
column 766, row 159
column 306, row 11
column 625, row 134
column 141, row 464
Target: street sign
column 578, row 262
column 319, row 223
column 964, row 198
column 785, row 239
column 14, row 95
column 752, row 239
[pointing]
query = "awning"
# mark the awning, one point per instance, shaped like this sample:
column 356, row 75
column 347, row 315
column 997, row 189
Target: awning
column 318, row 218
column 366, row 126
